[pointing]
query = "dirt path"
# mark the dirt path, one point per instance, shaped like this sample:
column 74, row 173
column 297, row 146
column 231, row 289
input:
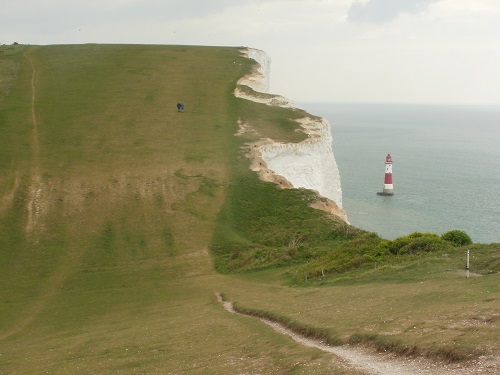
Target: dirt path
column 371, row 362
column 33, row 113
column 34, row 208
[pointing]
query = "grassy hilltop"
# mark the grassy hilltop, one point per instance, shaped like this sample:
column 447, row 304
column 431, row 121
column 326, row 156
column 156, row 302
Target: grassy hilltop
column 120, row 218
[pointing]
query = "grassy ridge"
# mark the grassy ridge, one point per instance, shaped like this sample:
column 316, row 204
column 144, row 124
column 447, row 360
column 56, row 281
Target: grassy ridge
column 108, row 207
column 100, row 190
column 112, row 204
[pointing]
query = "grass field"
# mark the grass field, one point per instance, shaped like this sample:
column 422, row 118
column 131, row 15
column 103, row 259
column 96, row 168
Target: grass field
column 116, row 211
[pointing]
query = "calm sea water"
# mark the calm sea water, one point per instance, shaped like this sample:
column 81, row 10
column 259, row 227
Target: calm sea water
column 446, row 170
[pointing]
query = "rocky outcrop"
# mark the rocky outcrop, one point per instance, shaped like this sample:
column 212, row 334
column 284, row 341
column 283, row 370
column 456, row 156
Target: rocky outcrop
column 309, row 164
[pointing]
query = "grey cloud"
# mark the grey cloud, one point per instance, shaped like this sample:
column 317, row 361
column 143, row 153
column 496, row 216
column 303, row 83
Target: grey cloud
column 61, row 15
column 380, row 11
column 189, row 8
column 179, row 9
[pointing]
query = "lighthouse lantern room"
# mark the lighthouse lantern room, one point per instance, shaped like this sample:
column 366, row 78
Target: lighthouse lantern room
column 388, row 187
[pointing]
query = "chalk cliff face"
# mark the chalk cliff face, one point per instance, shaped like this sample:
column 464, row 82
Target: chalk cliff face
column 309, row 164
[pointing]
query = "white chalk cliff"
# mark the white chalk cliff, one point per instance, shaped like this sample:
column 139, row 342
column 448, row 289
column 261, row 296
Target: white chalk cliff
column 309, row 164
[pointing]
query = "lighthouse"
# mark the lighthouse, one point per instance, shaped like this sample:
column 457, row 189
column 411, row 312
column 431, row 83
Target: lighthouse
column 388, row 187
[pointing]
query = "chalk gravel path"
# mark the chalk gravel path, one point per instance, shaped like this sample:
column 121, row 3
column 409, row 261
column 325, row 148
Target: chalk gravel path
column 371, row 362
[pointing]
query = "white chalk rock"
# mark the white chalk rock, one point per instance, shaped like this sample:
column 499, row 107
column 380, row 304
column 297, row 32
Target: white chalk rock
column 309, row 164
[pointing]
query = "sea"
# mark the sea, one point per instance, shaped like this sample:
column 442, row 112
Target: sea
column 446, row 166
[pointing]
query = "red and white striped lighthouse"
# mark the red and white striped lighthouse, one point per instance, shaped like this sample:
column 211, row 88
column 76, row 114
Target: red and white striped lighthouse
column 388, row 187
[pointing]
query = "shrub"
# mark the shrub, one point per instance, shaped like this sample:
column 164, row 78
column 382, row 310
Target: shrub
column 345, row 257
column 383, row 249
column 428, row 243
column 395, row 245
column 457, row 238
column 413, row 243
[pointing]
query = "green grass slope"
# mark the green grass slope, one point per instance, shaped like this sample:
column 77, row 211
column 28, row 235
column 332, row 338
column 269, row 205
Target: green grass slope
column 108, row 204
column 120, row 218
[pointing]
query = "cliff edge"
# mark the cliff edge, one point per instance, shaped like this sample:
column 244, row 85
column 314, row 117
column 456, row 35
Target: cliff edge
column 309, row 164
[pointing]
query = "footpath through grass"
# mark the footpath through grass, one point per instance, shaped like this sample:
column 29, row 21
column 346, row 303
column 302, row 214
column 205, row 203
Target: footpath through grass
column 422, row 305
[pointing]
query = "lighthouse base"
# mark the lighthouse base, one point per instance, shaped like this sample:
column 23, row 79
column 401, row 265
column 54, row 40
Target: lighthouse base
column 386, row 193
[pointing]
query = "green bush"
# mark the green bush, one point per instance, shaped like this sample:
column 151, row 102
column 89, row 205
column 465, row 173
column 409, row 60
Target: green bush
column 342, row 258
column 415, row 242
column 427, row 243
column 383, row 249
column 398, row 243
column 457, row 237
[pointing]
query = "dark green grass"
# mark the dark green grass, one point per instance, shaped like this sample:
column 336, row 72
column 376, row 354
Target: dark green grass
column 438, row 265
column 261, row 227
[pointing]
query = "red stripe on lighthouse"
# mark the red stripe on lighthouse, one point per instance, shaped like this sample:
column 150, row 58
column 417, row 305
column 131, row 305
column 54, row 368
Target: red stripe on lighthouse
column 388, row 178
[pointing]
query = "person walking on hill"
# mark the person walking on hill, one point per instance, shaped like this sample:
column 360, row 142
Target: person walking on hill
column 179, row 106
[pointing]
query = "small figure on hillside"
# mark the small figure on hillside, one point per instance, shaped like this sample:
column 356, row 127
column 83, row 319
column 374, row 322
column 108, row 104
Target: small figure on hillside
column 179, row 106
column 182, row 107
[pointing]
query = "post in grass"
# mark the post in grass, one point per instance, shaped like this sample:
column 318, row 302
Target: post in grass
column 467, row 265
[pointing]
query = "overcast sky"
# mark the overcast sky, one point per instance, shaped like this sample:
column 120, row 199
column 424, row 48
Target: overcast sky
column 410, row 51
